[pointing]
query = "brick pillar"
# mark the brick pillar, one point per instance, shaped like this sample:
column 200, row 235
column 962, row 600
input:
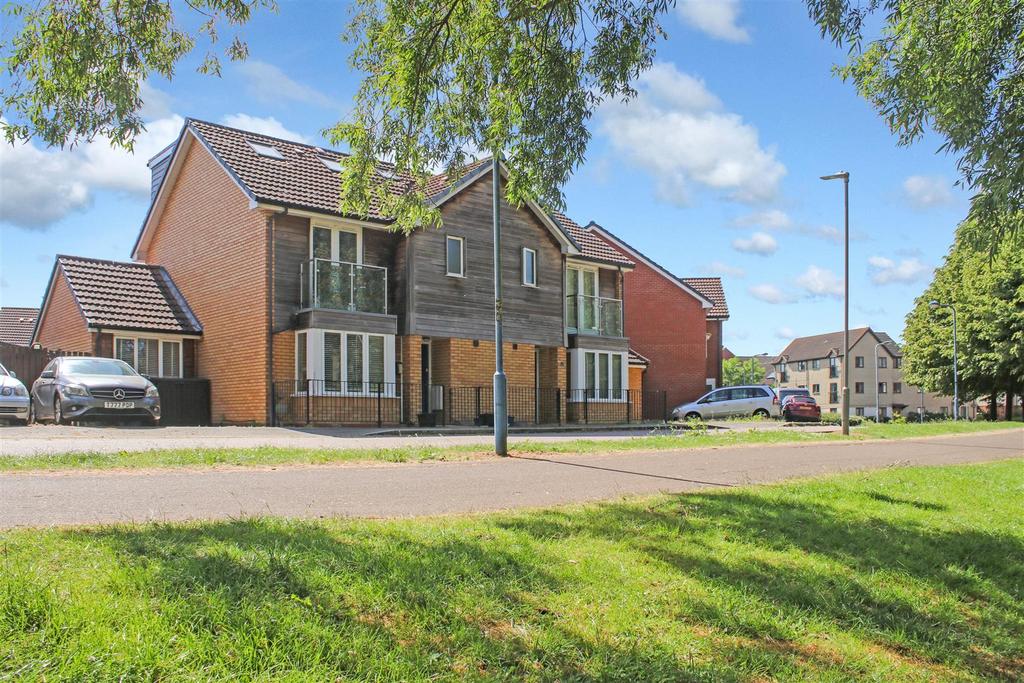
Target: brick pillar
column 411, row 377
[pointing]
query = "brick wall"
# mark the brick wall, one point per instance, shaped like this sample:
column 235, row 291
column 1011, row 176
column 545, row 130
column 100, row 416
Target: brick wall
column 215, row 248
column 714, row 355
column 62, row 325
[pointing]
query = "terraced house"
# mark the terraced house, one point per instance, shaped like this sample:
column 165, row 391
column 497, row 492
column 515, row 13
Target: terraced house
column 296, row 313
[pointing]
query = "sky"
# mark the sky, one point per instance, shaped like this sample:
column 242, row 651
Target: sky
column 712, row 170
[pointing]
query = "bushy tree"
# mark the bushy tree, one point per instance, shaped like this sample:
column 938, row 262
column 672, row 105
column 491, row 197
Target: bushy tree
column 742, row 371
column 954, row 66
column 988, row 292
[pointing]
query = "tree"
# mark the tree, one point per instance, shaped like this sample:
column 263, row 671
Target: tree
column 957, row 67
column 741, row 371
column 988, row 292
column 74, row 69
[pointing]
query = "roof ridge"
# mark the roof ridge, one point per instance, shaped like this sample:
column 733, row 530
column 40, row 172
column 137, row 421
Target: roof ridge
column 93, row 259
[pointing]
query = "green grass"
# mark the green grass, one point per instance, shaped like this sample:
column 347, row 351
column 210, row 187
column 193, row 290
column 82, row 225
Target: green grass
column 899, row 575
column 268, row 456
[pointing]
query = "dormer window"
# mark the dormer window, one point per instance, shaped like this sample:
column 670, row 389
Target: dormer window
column 331, row 164
column 265, row 150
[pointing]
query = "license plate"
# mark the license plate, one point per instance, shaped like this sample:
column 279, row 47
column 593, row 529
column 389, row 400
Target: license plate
column 119, row 405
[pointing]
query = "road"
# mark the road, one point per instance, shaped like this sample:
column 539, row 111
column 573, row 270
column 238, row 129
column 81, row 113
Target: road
column 455, row 487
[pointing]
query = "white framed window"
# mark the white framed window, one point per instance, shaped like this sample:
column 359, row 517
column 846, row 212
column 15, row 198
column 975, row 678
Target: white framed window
column 455, row 256
column 346, row 363
column 598, row 375
column 151, row 356
column 529, row 267
column 336, row 243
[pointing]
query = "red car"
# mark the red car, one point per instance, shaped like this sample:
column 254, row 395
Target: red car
column 800, row 408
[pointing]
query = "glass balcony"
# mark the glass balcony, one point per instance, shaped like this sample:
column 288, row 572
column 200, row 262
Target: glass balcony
column 595, row 315
column 343, row 286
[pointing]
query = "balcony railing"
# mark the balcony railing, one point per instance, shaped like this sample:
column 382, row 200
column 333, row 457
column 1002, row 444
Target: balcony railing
column 343, row 286
column 594, row 315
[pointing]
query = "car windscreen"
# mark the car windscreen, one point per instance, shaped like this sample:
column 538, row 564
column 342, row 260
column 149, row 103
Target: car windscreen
column 95, row 366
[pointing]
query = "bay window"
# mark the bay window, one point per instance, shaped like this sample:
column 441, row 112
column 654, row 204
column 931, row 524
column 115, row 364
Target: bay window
column 150, row 356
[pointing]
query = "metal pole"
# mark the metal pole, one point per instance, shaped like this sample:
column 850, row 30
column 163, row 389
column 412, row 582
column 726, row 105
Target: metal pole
column 877, row 416
column 500, row 397
column 846, row 305
column 956, row 379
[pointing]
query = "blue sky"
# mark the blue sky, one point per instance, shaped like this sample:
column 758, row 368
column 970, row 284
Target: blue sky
column 712, row 171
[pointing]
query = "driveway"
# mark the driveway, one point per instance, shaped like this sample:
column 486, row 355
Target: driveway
column 456, row 487
column 50, row 439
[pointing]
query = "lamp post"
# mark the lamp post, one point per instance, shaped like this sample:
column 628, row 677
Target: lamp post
column 877, row 415
column 500, row 386
column 845, row 177
column 935, row 305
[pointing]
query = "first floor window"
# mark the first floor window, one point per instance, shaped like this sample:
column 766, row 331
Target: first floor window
column 882, row 387
column 816, row 364
column 858, row 361
column 897, row 387
column 858, row 387
column 454, row 256
column 883, row 362
column 347, row 362
column 150, row 356
column 529, row 267
column 597, row 375
column 815, row 389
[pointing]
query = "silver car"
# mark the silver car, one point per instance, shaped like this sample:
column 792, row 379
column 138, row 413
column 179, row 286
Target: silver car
column 80, row 387
column 745, row 401
column 14, row 400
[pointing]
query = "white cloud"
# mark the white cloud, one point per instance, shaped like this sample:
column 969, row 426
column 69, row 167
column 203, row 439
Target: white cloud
column 760, row 243
column 42, row 186
column 770, row 294
column 924, row 192
column 264, row 125
column 786, row 333
column 717, row 18
column 675, row 130
column 268, row 83
column 769, row 219
column 720, row 268
column 885, row 271
column 820, row 282
column 156, row 104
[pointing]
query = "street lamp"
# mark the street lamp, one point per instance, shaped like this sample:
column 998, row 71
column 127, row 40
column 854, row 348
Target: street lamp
column 877, row 416
column 935, row 305
column 500, row 386
column 845, row 177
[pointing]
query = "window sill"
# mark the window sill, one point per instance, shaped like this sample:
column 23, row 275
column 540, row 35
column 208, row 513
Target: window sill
column 456, row 275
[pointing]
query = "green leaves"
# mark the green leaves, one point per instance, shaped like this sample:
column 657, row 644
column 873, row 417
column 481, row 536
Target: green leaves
column 74, row 67
column 955, row 67
column 451, row 79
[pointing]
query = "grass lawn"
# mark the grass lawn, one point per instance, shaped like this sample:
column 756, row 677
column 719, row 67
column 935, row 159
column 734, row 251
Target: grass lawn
column 905, row 574
column 262, row 456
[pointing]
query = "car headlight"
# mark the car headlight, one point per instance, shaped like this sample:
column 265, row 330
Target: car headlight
column 74, row 390
column 20, row 390
column 7, row 391
column 152, row 392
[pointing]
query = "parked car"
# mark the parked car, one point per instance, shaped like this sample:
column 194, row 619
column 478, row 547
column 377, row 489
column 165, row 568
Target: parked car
column 745, row 401
column 799, row 407
column 15, row 404
column 81, row 387
column 786, row 392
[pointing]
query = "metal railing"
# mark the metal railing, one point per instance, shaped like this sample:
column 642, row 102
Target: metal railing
column 343, row 286
column 596, row 315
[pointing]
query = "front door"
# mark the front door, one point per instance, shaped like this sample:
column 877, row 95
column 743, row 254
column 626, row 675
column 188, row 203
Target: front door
column 425, row 377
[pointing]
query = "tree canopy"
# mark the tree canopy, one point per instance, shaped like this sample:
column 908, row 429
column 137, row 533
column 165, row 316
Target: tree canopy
column 988, row 292
column 956, row 67
column 741, row 371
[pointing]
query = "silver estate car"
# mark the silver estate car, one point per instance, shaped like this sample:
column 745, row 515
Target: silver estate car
column 14, row 400
column 81, row 387
column 745, row 401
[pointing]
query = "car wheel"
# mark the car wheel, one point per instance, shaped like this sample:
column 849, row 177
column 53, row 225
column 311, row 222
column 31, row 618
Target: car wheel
column 693, row 415
column 787, row 417
column 58, row 412
column 762, row 413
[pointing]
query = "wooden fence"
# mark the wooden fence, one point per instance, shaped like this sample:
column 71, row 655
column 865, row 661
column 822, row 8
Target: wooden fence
column 27, row 362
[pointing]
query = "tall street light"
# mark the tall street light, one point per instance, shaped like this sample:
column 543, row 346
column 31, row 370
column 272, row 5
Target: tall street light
column 877, row 416
column 935, row 305
column 845, row 177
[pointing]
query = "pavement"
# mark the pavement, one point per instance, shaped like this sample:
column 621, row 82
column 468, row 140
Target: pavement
column 437, row 488
column 43, row 439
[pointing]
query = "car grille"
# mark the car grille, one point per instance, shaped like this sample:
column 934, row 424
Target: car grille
column 108, row 392
column 9, row 409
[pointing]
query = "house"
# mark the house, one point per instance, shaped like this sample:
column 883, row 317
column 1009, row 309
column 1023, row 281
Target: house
column 310, row 315
column 674, row 322
column 815, row 363
column 16, row 324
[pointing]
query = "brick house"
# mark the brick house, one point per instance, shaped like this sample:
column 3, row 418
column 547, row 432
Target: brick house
column 674, row 322
column 308, row 314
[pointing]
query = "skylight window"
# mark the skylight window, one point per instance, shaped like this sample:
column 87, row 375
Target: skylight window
column 265, row 150
column 331, row 164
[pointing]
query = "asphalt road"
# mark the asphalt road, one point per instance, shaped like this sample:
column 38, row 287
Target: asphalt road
column 458, row 487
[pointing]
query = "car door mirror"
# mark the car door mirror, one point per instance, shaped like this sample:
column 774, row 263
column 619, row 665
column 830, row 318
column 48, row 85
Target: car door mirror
column 46, row 374
column 13, row 374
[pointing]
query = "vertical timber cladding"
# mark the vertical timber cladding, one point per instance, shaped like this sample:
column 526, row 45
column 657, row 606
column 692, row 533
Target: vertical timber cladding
column 463, row 307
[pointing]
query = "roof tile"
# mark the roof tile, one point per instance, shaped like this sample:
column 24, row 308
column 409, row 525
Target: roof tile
column 711, row 289
column 17, row 324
